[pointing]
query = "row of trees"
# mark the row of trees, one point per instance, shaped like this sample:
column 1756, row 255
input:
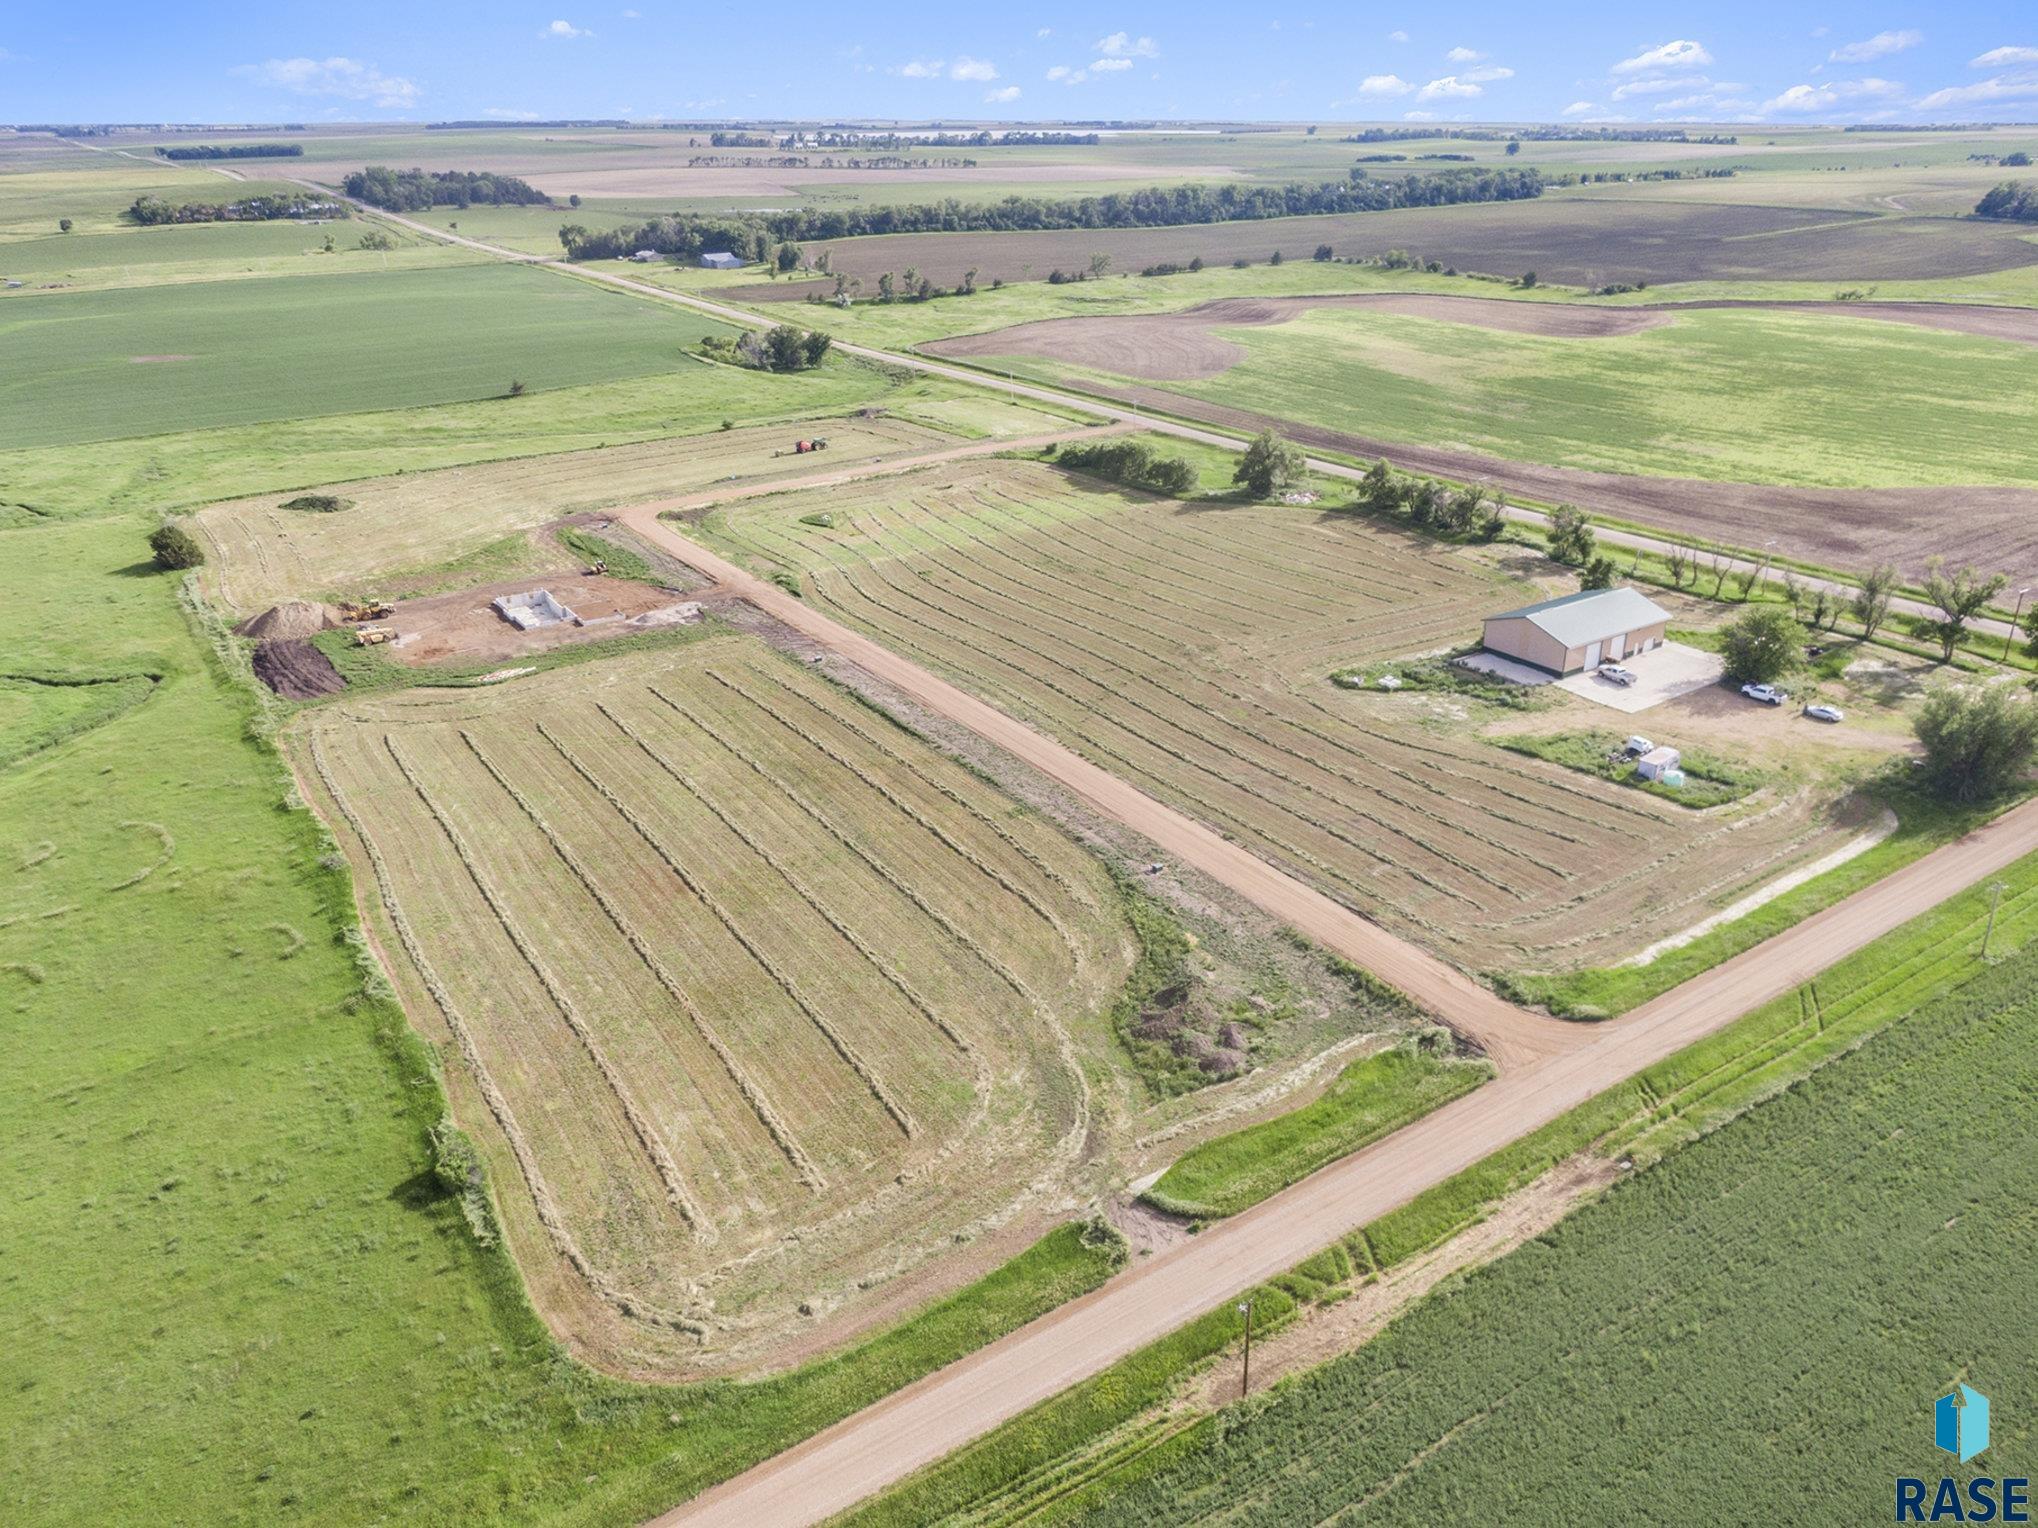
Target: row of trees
column 779, row 348
column 152, row 211
column 1134, row 463
column 688, row 234
column 1538, row 135
column 2012, row 199
column 420, row 190
column 231, row 150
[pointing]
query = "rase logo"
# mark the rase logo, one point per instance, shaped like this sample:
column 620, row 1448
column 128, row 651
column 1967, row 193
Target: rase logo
column 1960, row 1427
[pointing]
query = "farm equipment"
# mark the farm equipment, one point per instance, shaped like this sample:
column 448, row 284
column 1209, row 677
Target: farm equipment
column 596, row 568
column 373, row 636
column 352, row 611
column 803, row 447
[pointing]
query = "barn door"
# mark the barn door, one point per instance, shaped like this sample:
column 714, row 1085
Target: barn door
column 1616, row 645
column 1592, row 656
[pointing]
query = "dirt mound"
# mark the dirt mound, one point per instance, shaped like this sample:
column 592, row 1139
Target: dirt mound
column 296, row 670
column 293, row 619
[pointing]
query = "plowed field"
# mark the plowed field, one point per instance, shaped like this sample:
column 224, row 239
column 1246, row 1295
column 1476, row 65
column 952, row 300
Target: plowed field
column 755, row 1002
column 1186, row 648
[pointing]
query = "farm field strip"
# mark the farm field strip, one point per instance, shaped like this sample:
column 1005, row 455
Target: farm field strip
column 729, row 986
column 262, row 553
column 1132, row 628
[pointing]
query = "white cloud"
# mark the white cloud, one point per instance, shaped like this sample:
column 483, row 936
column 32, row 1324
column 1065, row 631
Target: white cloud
column 1998, row 58
column 345, row 79
column 505, row 114
column 1464, row 55
column 1801, row 98
column 1449, row 88
column 1713, row 102
column 1577, row 109
column 630, row 15
column 565, row 31
column 974, row 69
column 1043, row 32
column 1001, row 95
column 923, row 69
column 1487, row 75
column 1681, row 54
column 1384, row 85
column 1881, row 45
column 1397, row 35
column 1068, row 76
column 1418, row 116
column 2001, row 87
column 1658, row 84
column 1118, row 45
column 1110, row 65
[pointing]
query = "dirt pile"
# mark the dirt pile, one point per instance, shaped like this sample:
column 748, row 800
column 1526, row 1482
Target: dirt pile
column 293, row 620
column 296, row 670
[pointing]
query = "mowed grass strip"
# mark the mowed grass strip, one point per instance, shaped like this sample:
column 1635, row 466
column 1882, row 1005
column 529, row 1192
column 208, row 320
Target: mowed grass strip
column 1368, row 1100
column 90, row 366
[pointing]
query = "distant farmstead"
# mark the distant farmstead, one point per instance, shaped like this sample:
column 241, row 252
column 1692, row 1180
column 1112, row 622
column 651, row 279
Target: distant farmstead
column 645, row 256
column 1578, row 631
column 721, row 260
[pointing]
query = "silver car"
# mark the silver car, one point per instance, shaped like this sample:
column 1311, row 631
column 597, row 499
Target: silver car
column 1613, row 673
column 1825, row 713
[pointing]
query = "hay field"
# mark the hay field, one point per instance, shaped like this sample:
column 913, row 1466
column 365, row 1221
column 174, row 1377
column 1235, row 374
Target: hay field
column 757, row 1001
column 261, row 553
column 1187, row 647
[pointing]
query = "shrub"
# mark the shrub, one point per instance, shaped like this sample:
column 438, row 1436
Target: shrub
column 318, row 503
column 1978, row 742
column 1269, row 465
column 1570, row 536
column 175, row 547
column 1763, row 645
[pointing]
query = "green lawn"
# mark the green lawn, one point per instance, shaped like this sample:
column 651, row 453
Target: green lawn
column 1369, row 1099
column 1831, row 400
column 102, row 365
column 1708, row 779
column 242, row 1296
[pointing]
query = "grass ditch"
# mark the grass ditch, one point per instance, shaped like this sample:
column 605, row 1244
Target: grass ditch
column 41, row 710
column 1370, row 1099
column 1059, row 1461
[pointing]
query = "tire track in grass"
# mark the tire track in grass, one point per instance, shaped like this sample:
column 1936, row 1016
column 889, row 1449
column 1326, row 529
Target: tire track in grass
column 753, row 1093
column 654, row 1149
column 785, row 983
column 544, row 1203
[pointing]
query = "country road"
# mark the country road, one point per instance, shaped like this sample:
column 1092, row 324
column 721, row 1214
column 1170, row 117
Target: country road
column 931, row 1418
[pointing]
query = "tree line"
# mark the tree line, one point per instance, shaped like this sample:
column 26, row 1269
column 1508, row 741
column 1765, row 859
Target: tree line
column 420, row 190
column 687, row 234
column 1538, row 135
column 231, row 150
column 2012, row 199
column 151, row 211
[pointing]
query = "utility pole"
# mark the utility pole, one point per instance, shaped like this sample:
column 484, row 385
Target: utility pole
column 1245, row 1379
column 2011, row 635
column 1995, row 897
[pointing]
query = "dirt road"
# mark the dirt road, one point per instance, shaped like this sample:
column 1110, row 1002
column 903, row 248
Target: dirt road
column 871, row 1450
column 1511, row 1036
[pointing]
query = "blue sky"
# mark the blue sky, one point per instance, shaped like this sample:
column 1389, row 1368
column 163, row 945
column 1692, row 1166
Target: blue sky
column 123, row 61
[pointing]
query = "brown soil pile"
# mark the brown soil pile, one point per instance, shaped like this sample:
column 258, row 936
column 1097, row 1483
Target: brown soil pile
column 296, row 670
column 293, row 619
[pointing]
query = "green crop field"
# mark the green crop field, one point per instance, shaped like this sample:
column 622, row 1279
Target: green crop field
column 183, row 252
column 93, row 366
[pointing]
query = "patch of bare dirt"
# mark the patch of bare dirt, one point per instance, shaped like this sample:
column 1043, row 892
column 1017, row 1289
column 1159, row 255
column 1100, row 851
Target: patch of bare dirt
column 295, row 669
column 464, row 627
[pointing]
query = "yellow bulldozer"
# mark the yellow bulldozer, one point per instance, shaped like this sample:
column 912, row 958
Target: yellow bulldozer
column 372, row 636
column 365, row 610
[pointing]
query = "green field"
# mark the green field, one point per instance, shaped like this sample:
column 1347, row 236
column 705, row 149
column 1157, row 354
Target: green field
column 1817, row 399
column 1765, row 1318
column 182, row 252
column 90, row 366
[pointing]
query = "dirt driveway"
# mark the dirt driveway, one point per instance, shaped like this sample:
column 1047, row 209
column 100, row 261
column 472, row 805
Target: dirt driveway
column 463, row 627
